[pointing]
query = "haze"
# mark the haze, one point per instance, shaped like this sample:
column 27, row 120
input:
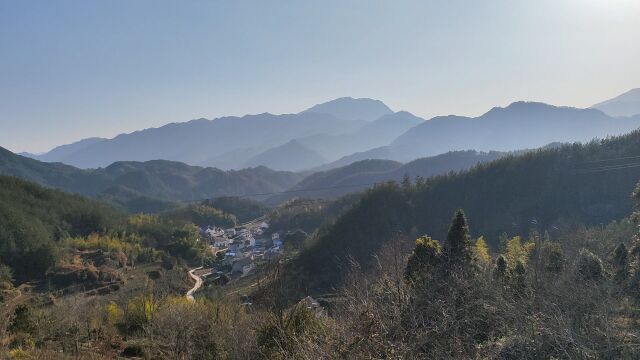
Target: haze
column 71, row 70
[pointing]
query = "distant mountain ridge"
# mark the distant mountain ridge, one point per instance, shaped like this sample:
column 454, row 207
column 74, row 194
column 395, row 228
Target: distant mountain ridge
column 332, row 147
column 627, row 104
column 291, row 156
column 348, row 108
column 203, row 142
column 344, row 130
column 517, row 126
column 364, row 174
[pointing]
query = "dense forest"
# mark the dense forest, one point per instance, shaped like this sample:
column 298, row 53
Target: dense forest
column 37, row 226
column 544, row 190
column 151, row 186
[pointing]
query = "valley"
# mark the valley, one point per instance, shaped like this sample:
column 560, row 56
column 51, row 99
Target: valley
column 304, row 180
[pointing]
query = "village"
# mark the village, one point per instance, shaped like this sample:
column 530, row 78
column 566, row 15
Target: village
column 237, row 250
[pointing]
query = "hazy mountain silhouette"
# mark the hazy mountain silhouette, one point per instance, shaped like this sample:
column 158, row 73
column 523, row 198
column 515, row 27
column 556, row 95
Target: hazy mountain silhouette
column 627, row 104
column 375, row 133
column 290, row 156
column 197, row 141
column 518, row 126
column 379, row 153
column 60, row 153
column 364, row 174
column 322, row 135
column 348, row 108
column 204, row 141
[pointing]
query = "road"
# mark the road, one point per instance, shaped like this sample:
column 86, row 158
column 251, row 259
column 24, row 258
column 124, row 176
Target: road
column 195, row 287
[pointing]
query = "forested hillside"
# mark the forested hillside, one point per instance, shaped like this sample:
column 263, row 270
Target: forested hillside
column 147, row 186
column 33, row 219
column 544, row 190
column 363, row 174
column 35, row 222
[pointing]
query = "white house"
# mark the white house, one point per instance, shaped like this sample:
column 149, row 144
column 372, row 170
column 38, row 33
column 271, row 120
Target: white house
column 220, row 242
column 213, row 231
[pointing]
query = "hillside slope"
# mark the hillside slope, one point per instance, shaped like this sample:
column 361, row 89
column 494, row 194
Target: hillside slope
column 542, row 190
column 364, row 174
column 147, row 186
column 292, row 156
column 627, row 104
column 520, row 125
column 32, row 218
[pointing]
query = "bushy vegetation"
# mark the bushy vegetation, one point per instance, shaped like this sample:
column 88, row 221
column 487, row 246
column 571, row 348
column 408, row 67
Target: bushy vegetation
column 38, row 225
column 244, row 209
column 201, row 215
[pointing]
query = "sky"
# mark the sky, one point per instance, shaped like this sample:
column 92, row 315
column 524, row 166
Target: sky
column 76, row 69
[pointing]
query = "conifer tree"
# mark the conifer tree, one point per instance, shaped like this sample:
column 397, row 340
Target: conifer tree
column 458, row 247
column 500, row 270
column 553, row 257
column 519, row 278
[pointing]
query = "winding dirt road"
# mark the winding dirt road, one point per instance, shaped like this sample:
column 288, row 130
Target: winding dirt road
column 195, row 287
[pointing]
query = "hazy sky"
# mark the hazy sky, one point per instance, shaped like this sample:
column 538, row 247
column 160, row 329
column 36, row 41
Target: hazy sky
column 74, row 69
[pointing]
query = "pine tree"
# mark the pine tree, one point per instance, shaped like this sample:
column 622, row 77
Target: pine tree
column 458, row 246
column 500, row 270
column 519, row 279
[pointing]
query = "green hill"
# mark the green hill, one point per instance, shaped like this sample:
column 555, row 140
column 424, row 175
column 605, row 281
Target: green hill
column 147, row 186
column 363, row 174
column 33, row 219
column 542, row 190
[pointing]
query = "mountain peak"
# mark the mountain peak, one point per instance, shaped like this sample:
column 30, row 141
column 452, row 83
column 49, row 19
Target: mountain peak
column 349, row 108
column 627, row 104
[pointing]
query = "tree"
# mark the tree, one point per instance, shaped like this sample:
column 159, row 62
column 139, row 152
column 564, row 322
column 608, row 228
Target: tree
column 552, row 257
column 6, row 274
column 500, row 270
column 426, row 256
column 516, row 251
column 481, row 253
column 458, row 246
column 519, row 278
column 621, row 263
column 589, row 266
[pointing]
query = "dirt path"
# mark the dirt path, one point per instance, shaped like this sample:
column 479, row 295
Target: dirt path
column 195, row 287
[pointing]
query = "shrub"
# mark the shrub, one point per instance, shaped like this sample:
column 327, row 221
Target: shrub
column 589, row 266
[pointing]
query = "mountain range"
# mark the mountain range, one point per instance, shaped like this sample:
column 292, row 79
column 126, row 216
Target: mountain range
column 627, row 104
column 345, row 130
column 366, row 173
column 517, row 126
column 210, row 142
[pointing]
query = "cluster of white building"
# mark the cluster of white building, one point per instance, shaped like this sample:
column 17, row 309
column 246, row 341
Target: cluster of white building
column 242, row 246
